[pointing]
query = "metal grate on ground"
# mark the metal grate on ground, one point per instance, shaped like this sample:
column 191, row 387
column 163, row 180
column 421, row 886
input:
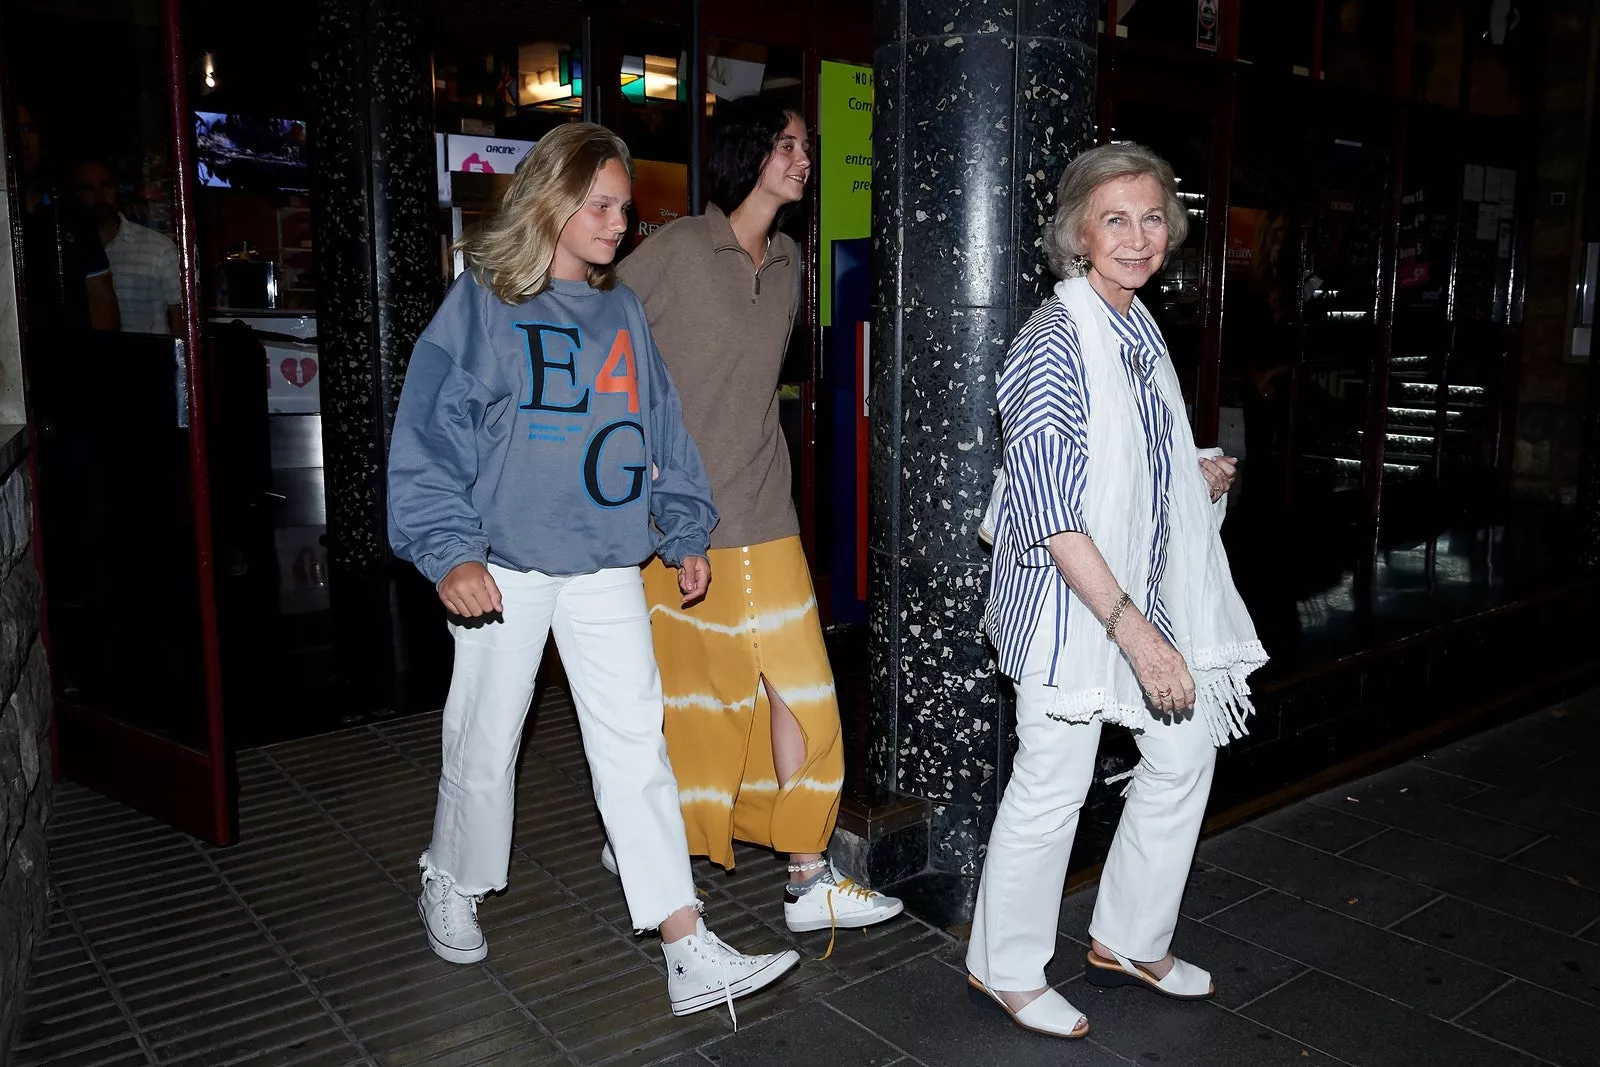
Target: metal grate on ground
column 301, row 945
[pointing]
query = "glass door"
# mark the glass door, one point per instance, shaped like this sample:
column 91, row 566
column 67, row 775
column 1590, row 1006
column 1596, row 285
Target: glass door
column 118, row 409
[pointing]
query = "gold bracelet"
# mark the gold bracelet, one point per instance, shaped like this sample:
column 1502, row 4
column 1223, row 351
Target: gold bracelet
column 1116, row 616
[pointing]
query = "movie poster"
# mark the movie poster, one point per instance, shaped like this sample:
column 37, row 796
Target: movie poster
column 660, row 194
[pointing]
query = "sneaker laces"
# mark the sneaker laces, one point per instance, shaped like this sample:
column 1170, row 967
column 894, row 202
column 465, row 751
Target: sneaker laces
column 456, row 909
column 723, row 951
column 830, row 884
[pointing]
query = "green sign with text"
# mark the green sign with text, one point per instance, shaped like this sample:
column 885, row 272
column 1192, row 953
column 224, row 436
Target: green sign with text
column 845, row 128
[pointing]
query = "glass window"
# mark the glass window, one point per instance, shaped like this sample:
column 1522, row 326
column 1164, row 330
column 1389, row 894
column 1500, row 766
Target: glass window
column 1165, row 22
column 1183, row 138
column 1348, row 157
column 1499, row 62
column 654, row 120
column 1261, row 333
column 1417, row 431
column 1436, row 52
column 1278, row 35
column 1358, row 42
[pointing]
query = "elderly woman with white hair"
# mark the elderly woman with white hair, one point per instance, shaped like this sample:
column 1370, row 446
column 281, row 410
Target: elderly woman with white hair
column 1111, row 603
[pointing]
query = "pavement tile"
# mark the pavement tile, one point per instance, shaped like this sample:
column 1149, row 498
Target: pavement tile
column 121, row 1052
column 1525, row 894
column 1538, row 1021
column 1149, row 1029
column 1370, row 1030
column 1212, row 889
column 924, row 1009
column 1331, row 829
column 1533, row 953
column 814, row 1034
column 1429, row 818
column 1383, row 962
column 1573, row 864
column 1331, row 881
column 1545, row 816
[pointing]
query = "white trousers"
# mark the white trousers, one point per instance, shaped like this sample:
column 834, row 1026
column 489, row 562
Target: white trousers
column 602, row 630
column 1141, row 886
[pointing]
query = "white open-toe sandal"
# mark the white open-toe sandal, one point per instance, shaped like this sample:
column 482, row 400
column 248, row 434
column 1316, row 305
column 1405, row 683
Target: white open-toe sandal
column 1050, row 1013
column 1184, row 982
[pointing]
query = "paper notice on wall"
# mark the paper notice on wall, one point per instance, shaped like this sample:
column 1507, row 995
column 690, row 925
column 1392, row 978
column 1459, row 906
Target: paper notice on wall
column 1488, row 222
column 1472, row 183
column 1491, row 185
column 1507, row 184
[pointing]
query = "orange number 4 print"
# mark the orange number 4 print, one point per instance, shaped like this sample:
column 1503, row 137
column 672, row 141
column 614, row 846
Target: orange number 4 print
column 617, row 374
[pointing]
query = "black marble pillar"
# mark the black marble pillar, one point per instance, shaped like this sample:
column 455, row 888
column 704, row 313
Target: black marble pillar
column 980, row 105
column 378, row 283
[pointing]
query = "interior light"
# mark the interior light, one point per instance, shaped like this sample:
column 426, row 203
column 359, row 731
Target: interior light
column 660, row 78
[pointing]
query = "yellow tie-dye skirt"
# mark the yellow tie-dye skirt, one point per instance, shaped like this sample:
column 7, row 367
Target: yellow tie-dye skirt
column 758, row 620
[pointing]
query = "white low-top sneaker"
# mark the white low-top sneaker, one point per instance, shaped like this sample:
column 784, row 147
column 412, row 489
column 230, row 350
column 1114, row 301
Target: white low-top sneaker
column 703, row 972
column 835, row 903
column 451, row 919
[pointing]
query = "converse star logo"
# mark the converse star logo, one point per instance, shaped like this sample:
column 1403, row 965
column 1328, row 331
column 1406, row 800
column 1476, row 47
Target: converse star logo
column 679, row 968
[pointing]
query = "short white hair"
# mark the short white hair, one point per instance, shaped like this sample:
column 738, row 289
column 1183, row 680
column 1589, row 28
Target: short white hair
column 1063, row 237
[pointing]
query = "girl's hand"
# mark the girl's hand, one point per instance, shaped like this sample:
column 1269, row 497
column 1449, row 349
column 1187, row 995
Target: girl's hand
column 469, row 591
column 694, row 578
column 1219, row 474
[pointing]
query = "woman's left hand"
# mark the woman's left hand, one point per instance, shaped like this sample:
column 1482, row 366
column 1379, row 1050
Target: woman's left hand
column 1219, row 474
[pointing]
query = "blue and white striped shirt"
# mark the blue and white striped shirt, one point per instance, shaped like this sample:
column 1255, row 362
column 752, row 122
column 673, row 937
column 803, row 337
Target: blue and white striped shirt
column 1044, row 416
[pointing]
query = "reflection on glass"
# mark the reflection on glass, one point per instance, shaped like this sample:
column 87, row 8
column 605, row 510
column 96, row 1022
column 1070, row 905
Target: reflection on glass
column 1165, row 22
column 1436, row 52
column 1358, row 42
column 550, row 77
column 1278, row 35
column 1183, row 138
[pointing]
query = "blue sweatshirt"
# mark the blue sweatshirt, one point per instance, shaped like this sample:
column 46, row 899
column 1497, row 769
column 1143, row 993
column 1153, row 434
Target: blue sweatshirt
column 526, row 436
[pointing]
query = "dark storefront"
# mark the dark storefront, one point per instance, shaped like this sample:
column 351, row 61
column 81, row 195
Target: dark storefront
column 1352, row 315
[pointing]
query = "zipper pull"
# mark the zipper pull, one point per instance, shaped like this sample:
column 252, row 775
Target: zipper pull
column 757, row 293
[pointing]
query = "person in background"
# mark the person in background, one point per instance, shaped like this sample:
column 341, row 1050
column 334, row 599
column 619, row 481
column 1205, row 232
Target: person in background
column 538, row 448
column 144, row 263
column 67, row 277
column 752, row 718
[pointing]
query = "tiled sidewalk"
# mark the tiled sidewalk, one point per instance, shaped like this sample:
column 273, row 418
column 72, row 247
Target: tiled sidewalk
column 1442, row 912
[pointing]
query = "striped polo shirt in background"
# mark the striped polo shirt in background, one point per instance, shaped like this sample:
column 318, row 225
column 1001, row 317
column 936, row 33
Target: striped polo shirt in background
column 144, row 270
column 1044, row 415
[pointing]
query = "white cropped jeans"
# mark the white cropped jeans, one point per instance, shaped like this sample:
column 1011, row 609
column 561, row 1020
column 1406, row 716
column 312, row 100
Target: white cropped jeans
column 1141, row 886
column 602, row 630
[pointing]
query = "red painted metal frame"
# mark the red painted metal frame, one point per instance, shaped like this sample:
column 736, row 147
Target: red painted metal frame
column 813, row 302
column 1228, row 29
column 183, row 172
column 1319, row 13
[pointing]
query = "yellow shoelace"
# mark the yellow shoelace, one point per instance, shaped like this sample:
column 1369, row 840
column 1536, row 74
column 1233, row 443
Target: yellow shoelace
column 849, row 888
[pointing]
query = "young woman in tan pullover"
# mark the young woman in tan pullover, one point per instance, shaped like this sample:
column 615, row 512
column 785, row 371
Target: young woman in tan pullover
column 752, row 723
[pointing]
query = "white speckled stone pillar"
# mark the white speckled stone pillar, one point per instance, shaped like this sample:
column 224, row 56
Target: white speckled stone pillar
column 374, row 193
column 980, row 104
